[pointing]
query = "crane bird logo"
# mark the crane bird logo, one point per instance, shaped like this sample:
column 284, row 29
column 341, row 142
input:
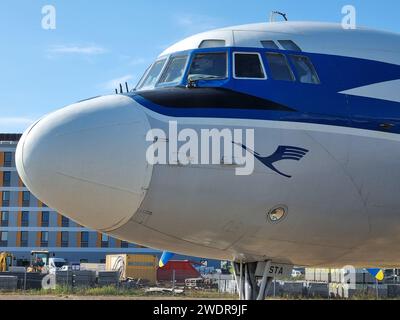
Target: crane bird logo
column 282, row 153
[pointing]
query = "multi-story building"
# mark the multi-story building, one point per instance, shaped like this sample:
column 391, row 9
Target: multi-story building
column 27, row 224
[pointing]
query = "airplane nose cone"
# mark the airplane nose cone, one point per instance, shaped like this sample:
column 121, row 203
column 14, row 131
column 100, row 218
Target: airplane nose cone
column 88, row 161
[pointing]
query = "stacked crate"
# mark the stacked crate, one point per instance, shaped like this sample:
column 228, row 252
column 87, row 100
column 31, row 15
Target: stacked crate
column 310, row 274
column 8, row 283
column 76, row 278
column 318, row 289
column 108, row 278
column 84, row 279
column 64, row 278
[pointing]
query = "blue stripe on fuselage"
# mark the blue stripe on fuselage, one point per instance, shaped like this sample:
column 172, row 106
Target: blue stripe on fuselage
column 239, row 114
column 320, row 104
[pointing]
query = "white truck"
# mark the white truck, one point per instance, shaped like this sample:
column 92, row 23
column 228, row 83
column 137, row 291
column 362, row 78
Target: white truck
column 56, row 264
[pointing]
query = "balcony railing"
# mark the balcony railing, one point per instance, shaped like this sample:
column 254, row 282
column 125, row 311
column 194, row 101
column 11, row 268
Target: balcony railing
column 45, row 224
column 64, row 244
column 105, row 244
column 124, row 244
column 44, row 244
column 7, row 164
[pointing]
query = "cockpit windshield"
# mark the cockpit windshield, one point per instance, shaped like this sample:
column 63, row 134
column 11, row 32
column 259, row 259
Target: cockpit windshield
column 209, row 66
column 150, row 79
column 175, row 70
column 170, row 71
column 200, row 67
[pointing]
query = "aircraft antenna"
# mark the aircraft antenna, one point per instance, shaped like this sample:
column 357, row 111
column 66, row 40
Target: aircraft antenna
column 274, row 13
column 127, row 87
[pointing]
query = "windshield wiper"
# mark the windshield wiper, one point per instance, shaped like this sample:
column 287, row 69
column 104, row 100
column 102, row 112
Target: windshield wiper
column 194, row 78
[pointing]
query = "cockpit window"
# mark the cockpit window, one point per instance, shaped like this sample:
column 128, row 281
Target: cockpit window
column 305, row 70
column 174, row 71
column 248, row 66
column 269, row 44
column 208, row 66
column 139, row 84
column 212, row 44
column 279, row 67
column 289, row 45
column 152, row 75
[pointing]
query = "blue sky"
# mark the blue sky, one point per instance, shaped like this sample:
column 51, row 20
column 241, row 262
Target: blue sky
column 98, row 43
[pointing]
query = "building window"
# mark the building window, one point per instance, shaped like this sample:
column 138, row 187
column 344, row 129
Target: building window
column 279, row 67
column 5, row 215
column 64, row 239
column 85, row 239
column 105, row 240
column 6, row 179
column 3, row 239
column 45, row 219
column 6, row 199
column 24, row 239
column 26, row 198
column 25, row 219
column 7, row 159
column 44, row 239
column 64, row 222
column 248, row 66
column 124, row 244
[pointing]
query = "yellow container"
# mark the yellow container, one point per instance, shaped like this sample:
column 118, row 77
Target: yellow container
column 134, row 266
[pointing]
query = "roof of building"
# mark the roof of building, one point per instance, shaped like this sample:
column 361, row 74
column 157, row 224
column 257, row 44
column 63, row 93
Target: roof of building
column 10, row 137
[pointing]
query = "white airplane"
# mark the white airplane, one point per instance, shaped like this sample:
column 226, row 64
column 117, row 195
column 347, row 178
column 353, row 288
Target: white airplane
column 324, row 106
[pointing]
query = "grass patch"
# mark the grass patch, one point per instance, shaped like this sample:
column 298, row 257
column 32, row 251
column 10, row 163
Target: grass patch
column 194, row 294
column 94, row 292
column 112, row 291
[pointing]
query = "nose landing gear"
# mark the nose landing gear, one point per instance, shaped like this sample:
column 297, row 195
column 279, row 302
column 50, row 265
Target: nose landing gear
column 247, row 280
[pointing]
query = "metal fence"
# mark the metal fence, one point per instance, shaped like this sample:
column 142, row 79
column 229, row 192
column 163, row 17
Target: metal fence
column 70, row 279
column 25, row 280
